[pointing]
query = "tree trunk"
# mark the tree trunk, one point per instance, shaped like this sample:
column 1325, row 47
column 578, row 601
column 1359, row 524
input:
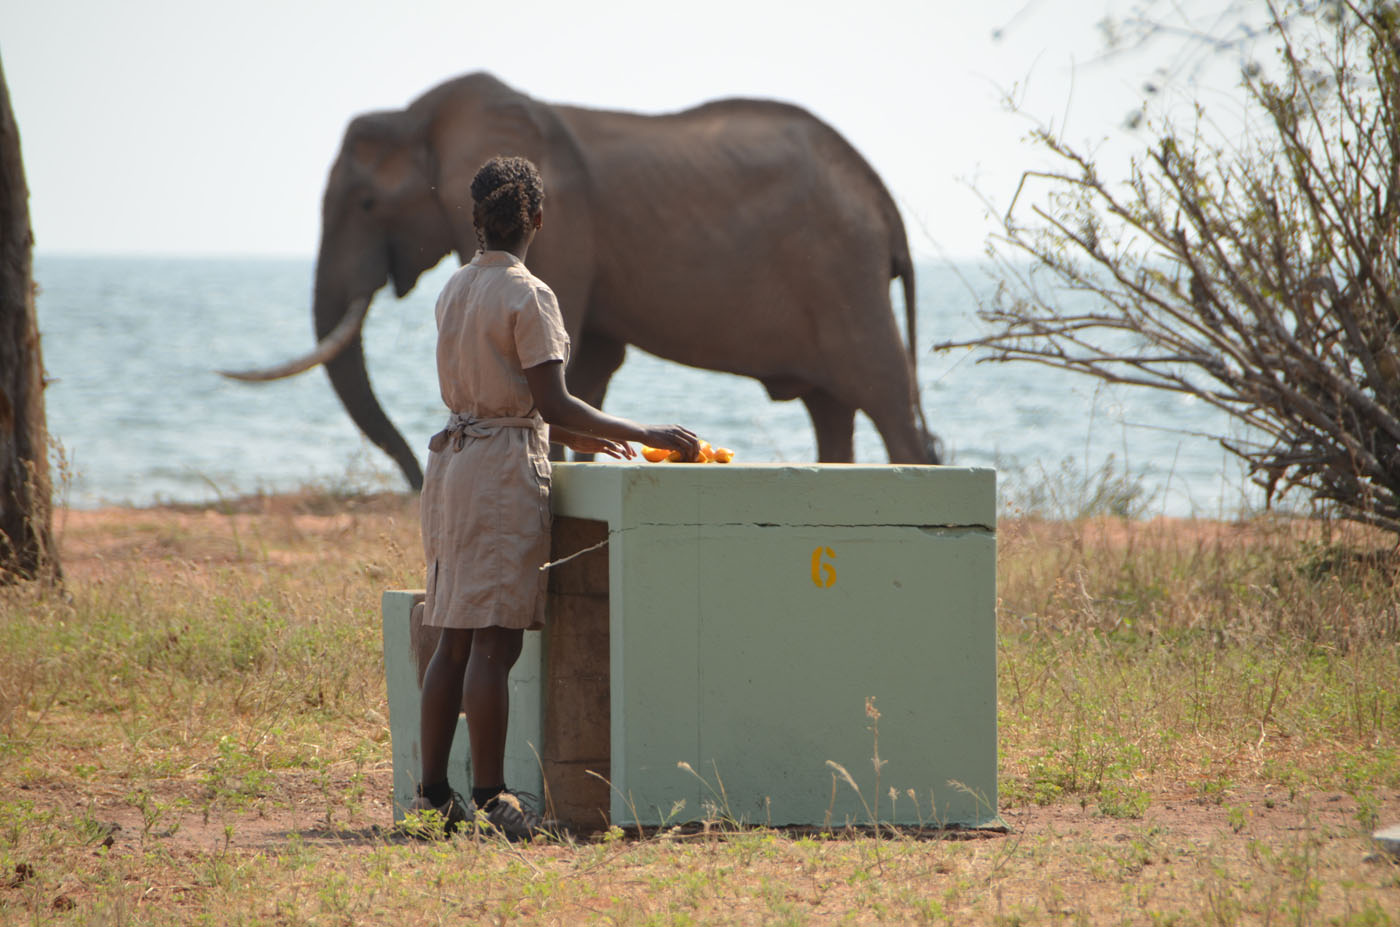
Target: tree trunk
column 26, row 516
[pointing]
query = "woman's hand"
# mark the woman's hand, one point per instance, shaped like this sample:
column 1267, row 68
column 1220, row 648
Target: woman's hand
column 673, row 438
column 589, row 444
column 567, row 413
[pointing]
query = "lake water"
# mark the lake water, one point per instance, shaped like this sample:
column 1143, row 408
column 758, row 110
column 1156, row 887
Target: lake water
column 132, row 345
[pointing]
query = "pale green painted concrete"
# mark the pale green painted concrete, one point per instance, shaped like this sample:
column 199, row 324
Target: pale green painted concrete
column 728, row 656
column 625, row 495
column 401, row 681
column 1388, row 839
column 735, row 651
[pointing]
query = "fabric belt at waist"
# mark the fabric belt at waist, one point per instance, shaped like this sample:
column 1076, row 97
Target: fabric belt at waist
column 462, row 426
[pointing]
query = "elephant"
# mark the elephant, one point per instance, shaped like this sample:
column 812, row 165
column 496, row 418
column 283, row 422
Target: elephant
column 744, row 236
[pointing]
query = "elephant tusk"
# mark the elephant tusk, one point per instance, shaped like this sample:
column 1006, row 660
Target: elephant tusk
column 345, row 331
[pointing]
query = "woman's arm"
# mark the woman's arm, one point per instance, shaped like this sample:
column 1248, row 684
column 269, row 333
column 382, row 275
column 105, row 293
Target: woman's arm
column 589, row 444
column 562, row 409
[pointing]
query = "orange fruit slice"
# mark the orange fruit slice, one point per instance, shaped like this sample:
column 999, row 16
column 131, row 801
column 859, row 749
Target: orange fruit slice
column 706, row 454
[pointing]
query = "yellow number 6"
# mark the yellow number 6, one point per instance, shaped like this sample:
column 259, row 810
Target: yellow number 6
column 823, row 574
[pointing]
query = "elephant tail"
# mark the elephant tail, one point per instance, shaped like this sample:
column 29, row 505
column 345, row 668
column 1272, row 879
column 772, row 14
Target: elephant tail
column 902, row 266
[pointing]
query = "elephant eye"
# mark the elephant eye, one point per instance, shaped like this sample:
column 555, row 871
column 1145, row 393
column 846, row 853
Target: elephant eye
column 367, row 203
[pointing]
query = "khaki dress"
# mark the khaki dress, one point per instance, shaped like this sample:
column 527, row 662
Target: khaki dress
column 485, row 503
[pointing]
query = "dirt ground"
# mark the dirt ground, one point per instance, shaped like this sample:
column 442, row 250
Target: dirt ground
column 1064, row 858
column 94, row 541
column 295, row 806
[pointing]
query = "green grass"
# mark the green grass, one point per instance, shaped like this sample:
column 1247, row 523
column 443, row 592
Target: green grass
column 1199, row 724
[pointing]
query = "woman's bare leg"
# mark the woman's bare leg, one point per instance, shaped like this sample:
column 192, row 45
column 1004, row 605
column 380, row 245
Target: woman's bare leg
column 493, row 652
column 442, row 701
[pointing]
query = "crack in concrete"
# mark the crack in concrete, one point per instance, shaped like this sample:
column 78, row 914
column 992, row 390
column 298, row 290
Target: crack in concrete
column 613, row 532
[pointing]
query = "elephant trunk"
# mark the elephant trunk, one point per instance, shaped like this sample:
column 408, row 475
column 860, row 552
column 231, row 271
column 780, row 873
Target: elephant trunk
column 349, row 378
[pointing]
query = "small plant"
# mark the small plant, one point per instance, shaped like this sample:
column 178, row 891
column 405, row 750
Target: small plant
column 235, row 776
column 1119, row 800
column 1072, row 492
column 716, row 807
column 872, row 814
column 1214, row 789
column 154, row 813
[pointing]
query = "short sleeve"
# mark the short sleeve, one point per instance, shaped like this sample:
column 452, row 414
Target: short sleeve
column 539, row 329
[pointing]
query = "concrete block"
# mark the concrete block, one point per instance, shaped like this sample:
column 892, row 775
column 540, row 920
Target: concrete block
column 754, row 609
column 578, row 794
column 586, row 574
column 576, row 720
column 624, row 495
column 578, row 630
column 745, row 628
column 422, row 641
column 1388, row 839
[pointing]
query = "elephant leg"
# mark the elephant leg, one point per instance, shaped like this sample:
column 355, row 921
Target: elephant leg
column 596, row 358
column 889, row 400
column 835, row 424
column 905, row 441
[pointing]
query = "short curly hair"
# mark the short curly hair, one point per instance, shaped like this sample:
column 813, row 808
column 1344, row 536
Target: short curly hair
column 506, row 191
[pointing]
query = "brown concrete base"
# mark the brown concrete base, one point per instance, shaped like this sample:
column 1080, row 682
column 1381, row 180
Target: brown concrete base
column 576, row 704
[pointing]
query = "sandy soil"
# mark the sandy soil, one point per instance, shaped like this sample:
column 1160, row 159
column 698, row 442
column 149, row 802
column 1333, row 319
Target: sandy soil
column 294, row 806
column 180, row 542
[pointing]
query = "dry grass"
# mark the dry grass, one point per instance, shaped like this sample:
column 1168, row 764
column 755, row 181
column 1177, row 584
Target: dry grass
column 1199, row 724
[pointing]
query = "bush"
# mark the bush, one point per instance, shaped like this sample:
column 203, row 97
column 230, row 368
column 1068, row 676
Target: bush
column 1259, row 272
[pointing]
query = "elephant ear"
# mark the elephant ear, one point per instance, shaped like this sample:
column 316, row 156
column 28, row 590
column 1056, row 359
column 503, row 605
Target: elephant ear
column 393, row 176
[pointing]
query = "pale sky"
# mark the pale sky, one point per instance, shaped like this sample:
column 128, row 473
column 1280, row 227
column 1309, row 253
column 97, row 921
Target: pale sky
column 165, row 127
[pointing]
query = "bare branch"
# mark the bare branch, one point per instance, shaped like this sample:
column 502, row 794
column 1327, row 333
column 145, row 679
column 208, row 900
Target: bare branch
column 1256, row 274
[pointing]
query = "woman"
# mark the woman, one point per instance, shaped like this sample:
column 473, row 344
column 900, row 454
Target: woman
column 500, row 356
